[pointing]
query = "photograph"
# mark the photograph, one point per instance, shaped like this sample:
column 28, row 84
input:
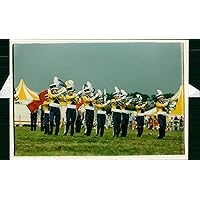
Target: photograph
column 99, row 98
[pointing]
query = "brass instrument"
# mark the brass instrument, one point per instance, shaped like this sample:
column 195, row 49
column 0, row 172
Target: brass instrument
column 171, row 105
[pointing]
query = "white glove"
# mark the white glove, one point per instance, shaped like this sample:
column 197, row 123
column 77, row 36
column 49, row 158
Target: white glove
column 122, row 98
column 93, row 98
column 97, row 95
column 129, row 102
column 105, row 104
column 79, row 93
column 108, row 101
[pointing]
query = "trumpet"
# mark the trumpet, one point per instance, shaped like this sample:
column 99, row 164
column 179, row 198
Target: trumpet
column 171, row 105
column 61, row 91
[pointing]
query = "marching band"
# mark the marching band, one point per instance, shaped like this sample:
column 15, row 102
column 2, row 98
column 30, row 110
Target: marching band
column 63, row 106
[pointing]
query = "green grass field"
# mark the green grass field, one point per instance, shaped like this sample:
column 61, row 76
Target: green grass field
column 35, row 143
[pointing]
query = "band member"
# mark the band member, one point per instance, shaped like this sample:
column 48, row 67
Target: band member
column 181, row 123
column 71, row 100
column 155, row 123
column 88, row 101
column 33, row 120
column 116, row 112
column 45, row 108
column 140, row 115
column 80, row 115
column 54, row 107
column 101, row 115
column 42, row 119
column 108, row 120
column 160, row 106
column 78, row 121
column 125, row 107
column 63, row 108
column 150, row 123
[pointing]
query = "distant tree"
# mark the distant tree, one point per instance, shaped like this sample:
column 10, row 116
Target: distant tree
column 168, row 95
column 109, row 96
column 145, row 97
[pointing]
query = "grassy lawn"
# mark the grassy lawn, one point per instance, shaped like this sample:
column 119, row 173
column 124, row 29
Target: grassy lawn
column 35, row 143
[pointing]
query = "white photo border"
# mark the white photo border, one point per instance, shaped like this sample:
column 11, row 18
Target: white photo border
column 185, row 65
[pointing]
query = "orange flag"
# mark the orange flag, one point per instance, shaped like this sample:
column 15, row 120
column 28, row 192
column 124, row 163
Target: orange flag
column 34, row 105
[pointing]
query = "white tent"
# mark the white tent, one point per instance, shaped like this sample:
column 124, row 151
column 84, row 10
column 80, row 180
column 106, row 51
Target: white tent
column 22, row 114
column 25, row 96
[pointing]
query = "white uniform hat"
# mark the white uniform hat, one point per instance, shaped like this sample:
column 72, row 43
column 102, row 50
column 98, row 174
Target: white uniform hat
column 116, row 92
column 139, row 98
column 88, row 87
column 124, row 93
column 53, row 86
column 159, row 94
column 70, row 85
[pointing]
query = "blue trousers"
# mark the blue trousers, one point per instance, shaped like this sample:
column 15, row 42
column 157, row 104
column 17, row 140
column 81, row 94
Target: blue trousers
column 124, row 126
column 54, row 116
column 46, row 123
column 89, row 118
column 71, row 117
column 78, row 123
column 162, row 125
column 140, row 125
column 101, row 119
column 116, row 123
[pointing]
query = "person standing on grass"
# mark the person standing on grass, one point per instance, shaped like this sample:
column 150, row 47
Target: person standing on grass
column 71, row 100
column 78, row 121
column 181, row 123
column 33, row 120
column 108, row 120
column 116, row 112
column 171, row 124
column 160, row 106
column 176, row 124
column 150, row 122
column 125, row 109
column 155, row 123
column 42, row 119
column 140, row 115
column 88, row 100
column 80, row 114
column 54, row 106
column 63, row 108
column 101, row 115
column 45, row 108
